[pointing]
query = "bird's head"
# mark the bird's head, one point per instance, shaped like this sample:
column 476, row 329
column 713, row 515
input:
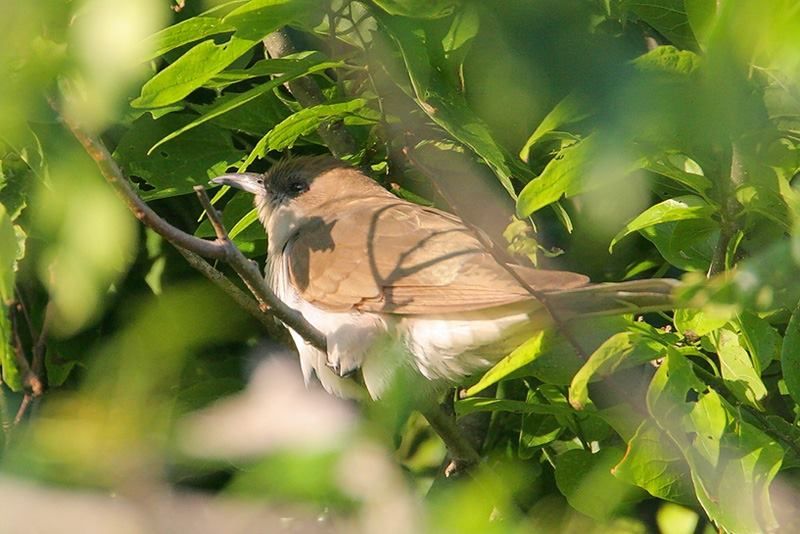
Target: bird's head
column 300, row 188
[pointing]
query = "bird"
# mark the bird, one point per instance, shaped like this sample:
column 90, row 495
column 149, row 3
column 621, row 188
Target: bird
column 394, row 285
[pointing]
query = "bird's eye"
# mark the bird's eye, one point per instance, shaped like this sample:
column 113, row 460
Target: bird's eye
column 297, row 187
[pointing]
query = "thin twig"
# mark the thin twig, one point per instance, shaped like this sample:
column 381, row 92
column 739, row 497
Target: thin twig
column 23, row 408
column 30, row 380
column 37, row 362
column 218, row 249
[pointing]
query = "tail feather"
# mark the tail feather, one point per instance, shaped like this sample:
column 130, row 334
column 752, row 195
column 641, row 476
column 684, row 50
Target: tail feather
column 636, row 296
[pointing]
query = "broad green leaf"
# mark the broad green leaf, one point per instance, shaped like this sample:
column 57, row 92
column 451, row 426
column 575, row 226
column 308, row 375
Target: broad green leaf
column 670, row 210
column 699, row 321
column 761, row 339
column 257, row 18
column 667, row 167
column 520, row 357
column 570, row 110
column 537, row 430
column 586, row 481
column 621, row 350
column 241, row 99
column 654, row 463
column 190, row 71
column 300, row 123
column 688, row 244
column 423, row 9
column 176, row 167
column 184, row 32
column 668, row 17
column 790, row 356
column 709, row 419
column 8, row 254
column 262, row 68
column 487, row 404
column 256, row 117
column 564, row 176
column 243, row 223
column 668, row 60
column 446, row 106
column 241, row 220
column 701, row 15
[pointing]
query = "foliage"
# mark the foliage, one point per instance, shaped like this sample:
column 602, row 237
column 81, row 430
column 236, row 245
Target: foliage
column 628, row 139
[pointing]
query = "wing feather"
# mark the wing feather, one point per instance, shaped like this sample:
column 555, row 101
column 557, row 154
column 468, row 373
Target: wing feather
column 386, row 255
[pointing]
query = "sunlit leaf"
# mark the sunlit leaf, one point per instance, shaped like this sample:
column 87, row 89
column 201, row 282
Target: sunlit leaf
column 570, row 110
column 522, row 356
column 790, row 356
column 184, row 32
column 670, row 210
column 257, row 18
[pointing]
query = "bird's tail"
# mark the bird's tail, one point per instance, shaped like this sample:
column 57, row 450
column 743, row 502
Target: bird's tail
column 636, row 296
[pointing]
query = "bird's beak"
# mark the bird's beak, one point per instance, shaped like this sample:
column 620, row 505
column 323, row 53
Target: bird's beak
column 246, row 181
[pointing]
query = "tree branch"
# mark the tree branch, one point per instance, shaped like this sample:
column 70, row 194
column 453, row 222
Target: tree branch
column 221, row 249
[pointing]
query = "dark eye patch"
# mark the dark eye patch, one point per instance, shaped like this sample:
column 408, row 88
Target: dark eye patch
column 296, row 188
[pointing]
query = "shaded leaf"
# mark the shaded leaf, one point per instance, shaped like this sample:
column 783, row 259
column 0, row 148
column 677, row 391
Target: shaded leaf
column 569, row 110
column 688, row 244
column 668, row 17
column 790, row 356
column 176, row 167
column 423, row 9
column 257, row 18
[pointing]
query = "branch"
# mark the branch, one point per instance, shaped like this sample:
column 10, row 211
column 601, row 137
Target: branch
column 308, row 94
column 221, row 248
column 729, row 212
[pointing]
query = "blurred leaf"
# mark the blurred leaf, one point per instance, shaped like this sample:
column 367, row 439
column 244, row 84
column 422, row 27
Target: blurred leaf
column 190, row 71
column 11, row 372
column 257, row 18
column 670, row 210
column 654, row 463
column 687, row 244
column 8, row 254
column 16, row 185
column 569, row 110
column 256, row 117
column 737, row 370
column 668, row 60
column 586, row 481
column 176, row 167
column 183, row 33
column 302, row 68
column 701, row 15
column 423, row 9
column 790, row 356
column 621, row 350
column 668, row 17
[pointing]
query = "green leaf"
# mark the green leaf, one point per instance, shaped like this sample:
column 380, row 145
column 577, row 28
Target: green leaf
column 256, row 117
column 520, row 357
column 668, row 167
column 487, row 404
column 570, row 110
column 621, row 350
column 537, row 430
column 564, row 176
column 184, row 32
column 446, row 106
column 654, row 463
column 701, row 15
column 422, row 9
column 761, row 339
column 176, row 167
column 737, row 370
column 790, row 356
column 668, row 60
column 586, row 481
column 668, row 17
column 303, row 122
column 688, row 244
column 301, row 69
column 699, row 321
column 8, row 254
column 190, row 71
column 257, row 18
column 670, row 210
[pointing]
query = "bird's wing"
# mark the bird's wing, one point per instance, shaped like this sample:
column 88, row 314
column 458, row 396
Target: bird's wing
column 388, row 255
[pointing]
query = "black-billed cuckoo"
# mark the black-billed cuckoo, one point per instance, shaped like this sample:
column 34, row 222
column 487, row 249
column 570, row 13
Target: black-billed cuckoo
column 393, row 284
